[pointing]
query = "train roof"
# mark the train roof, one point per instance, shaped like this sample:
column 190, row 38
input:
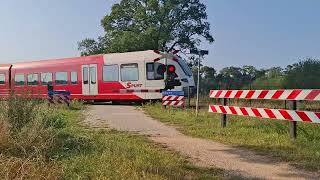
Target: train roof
column 132, row 56
column 108, row 58
column 65, row 61
column 5, row 67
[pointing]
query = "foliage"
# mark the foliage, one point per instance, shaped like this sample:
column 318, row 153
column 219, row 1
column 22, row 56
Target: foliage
column 19, row 111
column 268, row 83
column 303, row 75
column 265, row 136
column 136, row 25
column 272, row 79
column 90, row 46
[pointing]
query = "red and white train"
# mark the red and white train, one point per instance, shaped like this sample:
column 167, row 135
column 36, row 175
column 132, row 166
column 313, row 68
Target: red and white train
column 99, row 77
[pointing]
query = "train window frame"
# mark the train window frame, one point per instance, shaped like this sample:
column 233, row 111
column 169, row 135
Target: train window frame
column 33, row 79
column 129, row 64
column 46, row 83
column 104, row 71
column 72, row 82
column 15, row 77
column 154, row 71
column 93, row 75
column 67, row 80
column 85, row 73
column 4, row 79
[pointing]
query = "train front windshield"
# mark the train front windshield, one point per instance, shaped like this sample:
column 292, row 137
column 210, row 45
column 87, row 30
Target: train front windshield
column 186, row 69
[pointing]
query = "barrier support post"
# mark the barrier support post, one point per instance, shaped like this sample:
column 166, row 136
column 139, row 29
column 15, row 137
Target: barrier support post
column 188, row 96
column 293, row 124
column 224, row 116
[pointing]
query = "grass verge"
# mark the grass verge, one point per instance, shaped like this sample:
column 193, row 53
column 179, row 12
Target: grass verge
column 41, row 142
column 265, row 136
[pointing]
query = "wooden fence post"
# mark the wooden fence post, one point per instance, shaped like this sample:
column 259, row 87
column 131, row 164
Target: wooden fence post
column 293, row 124
column 224, row 116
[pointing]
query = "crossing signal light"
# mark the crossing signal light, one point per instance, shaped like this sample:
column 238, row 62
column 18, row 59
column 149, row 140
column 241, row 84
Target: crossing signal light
column 171, row 82
column 171, row 68
column 171, row 72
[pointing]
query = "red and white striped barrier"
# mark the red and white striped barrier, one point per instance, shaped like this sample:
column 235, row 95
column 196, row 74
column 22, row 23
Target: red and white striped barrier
column 172, row 100
column 137, row 91
column 173, row 103
column 282, row 114
column 59, row 99
column 292, row 94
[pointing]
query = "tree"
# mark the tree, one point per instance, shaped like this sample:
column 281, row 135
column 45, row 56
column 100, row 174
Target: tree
column 207, row 80
column 265, row 82
column 230, row 78
column 165, row 25
column 249, row 73
column 271, row 78
column 303, row 75
column 90, row 46
column 274, row 72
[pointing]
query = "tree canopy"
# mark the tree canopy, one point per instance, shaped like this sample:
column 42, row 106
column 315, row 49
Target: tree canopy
column 303, row 75
column 165, row 25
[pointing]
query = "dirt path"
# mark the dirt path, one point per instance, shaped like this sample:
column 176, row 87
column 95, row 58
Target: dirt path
column 201, row 152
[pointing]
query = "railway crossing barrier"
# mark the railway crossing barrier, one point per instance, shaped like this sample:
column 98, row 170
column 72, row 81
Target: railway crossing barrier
column 293, row 115
column 137, row 90
column 59, row 97
column 173, row 98
column 169, row 97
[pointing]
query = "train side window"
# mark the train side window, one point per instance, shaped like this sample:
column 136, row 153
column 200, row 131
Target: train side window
column 93, row 75
column 19, row 80
column 61, row 78
column 85, row 75
column 110, row 73
column 46, row 79
column 32, row 79
column 74, row 77
column 129, row 72
column 2, row 78
column 153, row 72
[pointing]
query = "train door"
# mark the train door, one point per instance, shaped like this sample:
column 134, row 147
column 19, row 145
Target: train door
column 89, row 79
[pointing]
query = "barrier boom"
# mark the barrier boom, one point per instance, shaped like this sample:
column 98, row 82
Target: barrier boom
column 173, row 101
column 137, row 91
column 288, row 94
column 173, row 98
column 292, row 95
column 281, row 114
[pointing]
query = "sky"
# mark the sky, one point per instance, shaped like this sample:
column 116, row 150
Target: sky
column 247, row 32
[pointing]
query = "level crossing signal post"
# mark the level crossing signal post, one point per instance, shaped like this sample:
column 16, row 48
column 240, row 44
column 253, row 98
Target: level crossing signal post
column 200, row 53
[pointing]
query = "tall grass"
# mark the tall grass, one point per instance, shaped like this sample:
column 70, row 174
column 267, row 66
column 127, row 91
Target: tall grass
column 38, row 141
column 26, row 136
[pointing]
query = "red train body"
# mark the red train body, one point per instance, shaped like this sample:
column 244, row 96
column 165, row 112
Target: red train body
column 95, row 77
